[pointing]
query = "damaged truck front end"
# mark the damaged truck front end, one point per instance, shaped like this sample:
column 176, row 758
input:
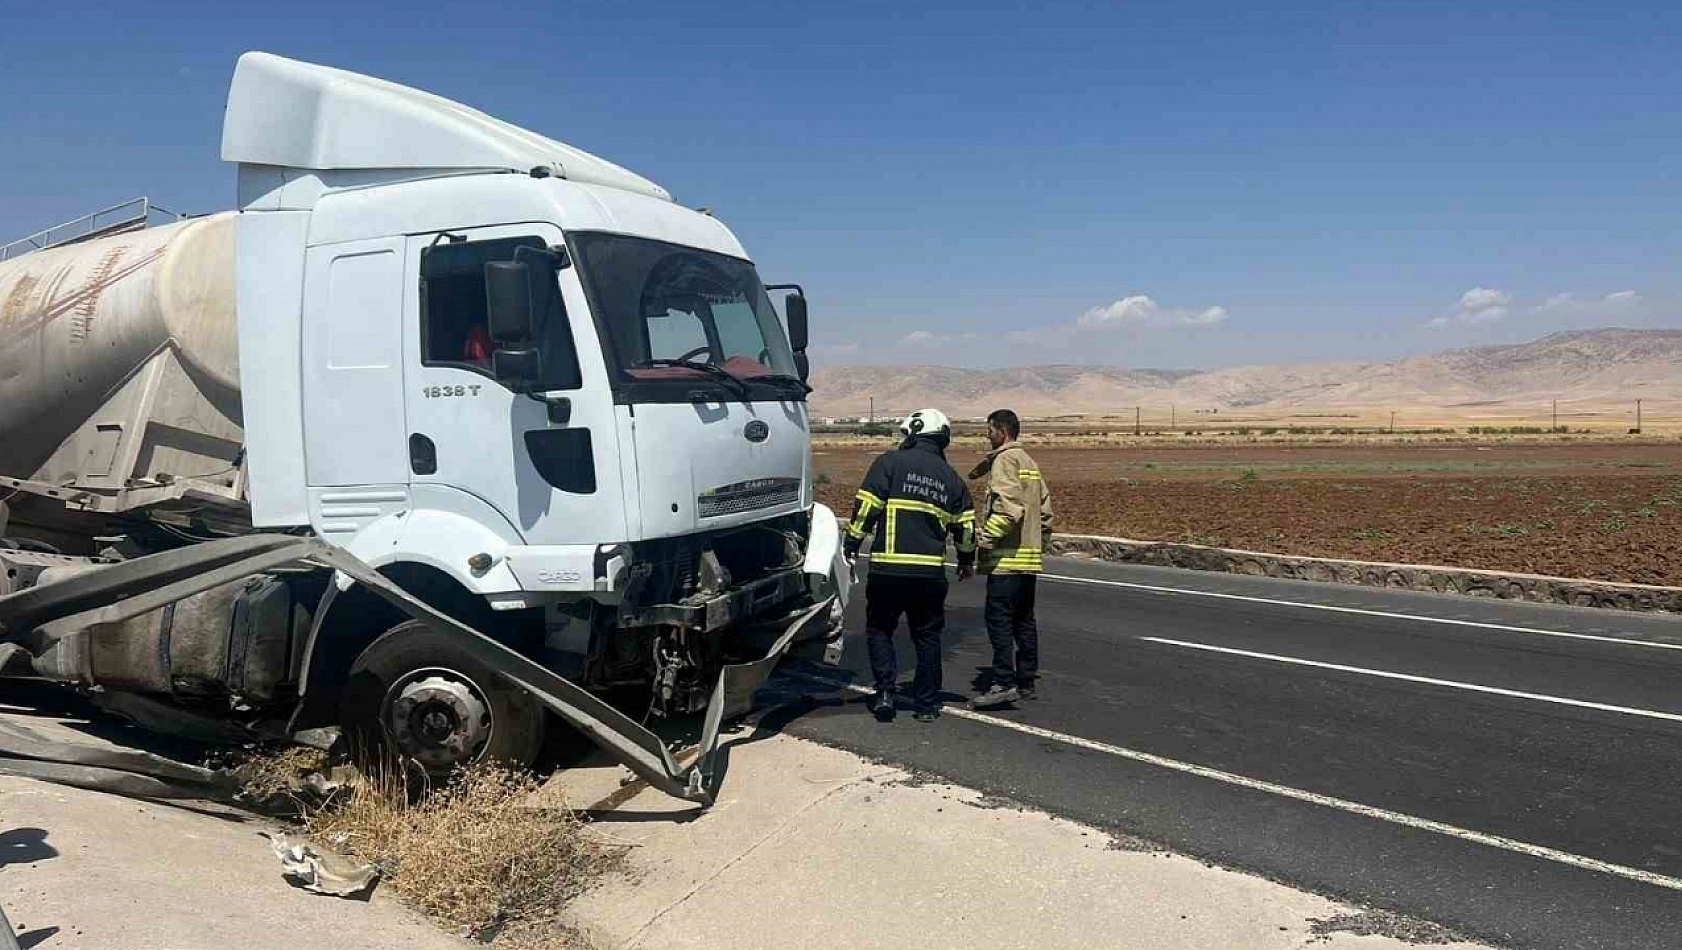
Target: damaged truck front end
column 222, row 634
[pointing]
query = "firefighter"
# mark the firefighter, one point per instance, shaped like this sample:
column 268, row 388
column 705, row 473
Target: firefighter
column 1013, row 529
column 912, row 501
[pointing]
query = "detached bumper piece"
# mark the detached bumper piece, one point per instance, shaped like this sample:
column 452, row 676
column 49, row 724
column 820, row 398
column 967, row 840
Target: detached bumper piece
column 56, row 620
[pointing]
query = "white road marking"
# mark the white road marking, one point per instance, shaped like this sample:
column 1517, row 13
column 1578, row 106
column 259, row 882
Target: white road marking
column 1314, row 798
column 1359, row 611
column 1429, row 680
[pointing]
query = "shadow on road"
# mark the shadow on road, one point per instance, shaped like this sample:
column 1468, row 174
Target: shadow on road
column 29, row 940
column 25, row 846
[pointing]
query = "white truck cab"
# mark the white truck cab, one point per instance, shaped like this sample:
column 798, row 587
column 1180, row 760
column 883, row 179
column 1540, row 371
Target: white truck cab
column 368, row 215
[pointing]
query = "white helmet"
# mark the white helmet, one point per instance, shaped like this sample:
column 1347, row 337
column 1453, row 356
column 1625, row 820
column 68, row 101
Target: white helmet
column 931, row 422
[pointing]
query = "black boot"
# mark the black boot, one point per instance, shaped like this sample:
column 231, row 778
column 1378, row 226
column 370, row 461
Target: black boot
column 882, row 705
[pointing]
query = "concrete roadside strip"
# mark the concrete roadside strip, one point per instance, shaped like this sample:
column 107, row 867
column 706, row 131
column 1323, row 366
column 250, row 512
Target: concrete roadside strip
column 807, row 846
column 815, row 847
column 86, row 870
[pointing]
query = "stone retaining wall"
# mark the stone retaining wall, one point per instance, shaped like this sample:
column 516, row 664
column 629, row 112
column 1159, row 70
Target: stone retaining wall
column 1535, row 588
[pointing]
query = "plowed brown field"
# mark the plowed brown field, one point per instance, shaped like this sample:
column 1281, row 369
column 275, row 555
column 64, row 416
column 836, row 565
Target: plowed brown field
column 1608, row 511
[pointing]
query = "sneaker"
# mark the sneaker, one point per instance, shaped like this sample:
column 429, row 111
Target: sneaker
column 882, row 706
column 1027, row 693
column 996, row 696
column 926, row 715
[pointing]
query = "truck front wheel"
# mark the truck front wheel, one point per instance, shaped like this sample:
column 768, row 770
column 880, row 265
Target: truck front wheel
column 419, row 696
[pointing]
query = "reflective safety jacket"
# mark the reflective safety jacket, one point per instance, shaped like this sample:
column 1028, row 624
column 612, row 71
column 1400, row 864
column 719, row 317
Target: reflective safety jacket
column 912, row 501
column 1015, row 520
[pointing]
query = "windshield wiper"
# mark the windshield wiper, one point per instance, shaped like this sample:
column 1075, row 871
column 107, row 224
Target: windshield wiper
column 716, row 372
column 785, row 380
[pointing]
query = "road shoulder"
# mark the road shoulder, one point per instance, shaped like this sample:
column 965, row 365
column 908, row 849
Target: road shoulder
column 84, row 869
column 813, row 846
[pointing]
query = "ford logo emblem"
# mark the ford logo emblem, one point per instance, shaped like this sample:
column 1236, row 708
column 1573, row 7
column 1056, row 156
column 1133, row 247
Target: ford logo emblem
column 757, row 431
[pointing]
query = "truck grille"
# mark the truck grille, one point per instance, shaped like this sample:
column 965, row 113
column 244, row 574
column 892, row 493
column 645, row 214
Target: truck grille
column 747, row 496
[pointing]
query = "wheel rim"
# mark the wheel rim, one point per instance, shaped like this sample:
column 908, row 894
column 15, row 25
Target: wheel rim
column 438, row 718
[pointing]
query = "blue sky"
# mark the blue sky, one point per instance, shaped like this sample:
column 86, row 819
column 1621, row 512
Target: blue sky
column 1179, row 184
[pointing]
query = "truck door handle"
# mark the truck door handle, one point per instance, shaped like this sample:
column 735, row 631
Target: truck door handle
column 423, row 455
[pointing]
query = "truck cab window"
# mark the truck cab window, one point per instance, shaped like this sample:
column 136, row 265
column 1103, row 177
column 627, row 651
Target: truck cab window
column 674, row 334
column 656, row 302
column 454, row 327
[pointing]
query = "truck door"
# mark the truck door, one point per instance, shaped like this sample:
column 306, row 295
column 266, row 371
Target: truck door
column 353, row 382
column 549, row 468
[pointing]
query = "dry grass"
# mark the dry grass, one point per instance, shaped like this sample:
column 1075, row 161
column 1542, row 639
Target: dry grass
column 476, row 855
column 274, row 782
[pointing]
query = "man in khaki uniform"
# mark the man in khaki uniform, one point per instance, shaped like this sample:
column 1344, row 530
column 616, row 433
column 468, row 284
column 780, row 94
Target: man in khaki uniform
column 1013, row 527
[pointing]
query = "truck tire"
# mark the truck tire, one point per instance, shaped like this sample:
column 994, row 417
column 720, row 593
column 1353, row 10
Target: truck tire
column 421, row 697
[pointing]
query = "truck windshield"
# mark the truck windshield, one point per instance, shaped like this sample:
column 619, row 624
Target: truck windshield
column 661, row 306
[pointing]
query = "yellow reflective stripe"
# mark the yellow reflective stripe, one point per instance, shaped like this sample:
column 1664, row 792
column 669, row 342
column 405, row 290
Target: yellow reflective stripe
column 922, row 559
column 921, row 507
column 1028, row 475
column 1013, row 560
column 1014, row 557
column 966, row 531
column 866, row 500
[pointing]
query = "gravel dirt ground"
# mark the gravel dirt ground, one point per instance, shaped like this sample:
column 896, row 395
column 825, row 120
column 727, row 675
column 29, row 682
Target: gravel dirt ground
column 1607, row 511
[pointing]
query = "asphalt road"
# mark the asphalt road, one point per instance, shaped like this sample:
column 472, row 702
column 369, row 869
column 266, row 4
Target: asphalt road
column 1510, row 771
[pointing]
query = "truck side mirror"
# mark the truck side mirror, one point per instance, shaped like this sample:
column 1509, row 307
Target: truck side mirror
column 799, row 331
column 509, row 307
column 518, row 368
column 511, row 311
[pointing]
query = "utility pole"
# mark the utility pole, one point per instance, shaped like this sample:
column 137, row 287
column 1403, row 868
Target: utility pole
column 1392, row 422
column 1172, row 424
column 1556, row 415
column 1638, row 415
column 872, row 410
column 1138, row 417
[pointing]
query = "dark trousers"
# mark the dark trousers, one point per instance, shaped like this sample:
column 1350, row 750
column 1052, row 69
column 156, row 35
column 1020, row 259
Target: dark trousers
column 1011, row 627
column 922, row 601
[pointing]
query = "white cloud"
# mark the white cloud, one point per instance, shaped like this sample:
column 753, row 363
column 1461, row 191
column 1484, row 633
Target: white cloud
column 1567, row 304
column 1478, row 305
column 1484, row 305
column 918, row 338
column 1484, row 298
column 1140, row 310
column 1136, row 309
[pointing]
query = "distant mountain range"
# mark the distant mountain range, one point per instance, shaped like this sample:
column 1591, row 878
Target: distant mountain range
column 1590, row 366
